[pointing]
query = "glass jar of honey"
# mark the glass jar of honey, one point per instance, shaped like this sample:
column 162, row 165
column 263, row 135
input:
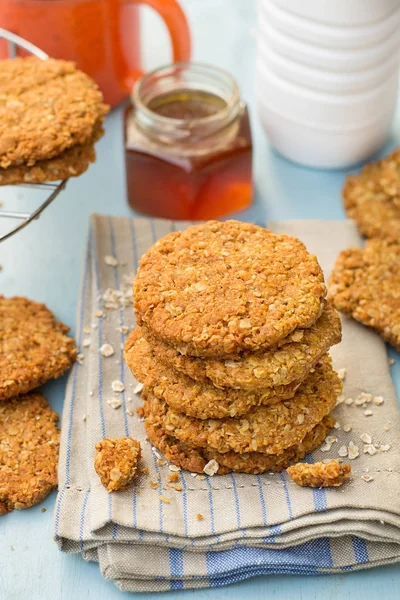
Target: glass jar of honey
column 188, row 145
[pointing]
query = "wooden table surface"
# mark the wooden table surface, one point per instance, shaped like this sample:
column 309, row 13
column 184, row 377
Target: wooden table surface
column 44, row 262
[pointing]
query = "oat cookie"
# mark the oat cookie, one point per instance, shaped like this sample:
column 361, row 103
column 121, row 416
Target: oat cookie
column 365, row 284
column 201, row 400
column 29, row 445
column 372, row 200
column 283, row 366
column 116, row 462
column 33, row 346
column 266, row 429
column 45, row 108
column 70, row 163
column 225, row 287
column 195, row 459
column 331, row 474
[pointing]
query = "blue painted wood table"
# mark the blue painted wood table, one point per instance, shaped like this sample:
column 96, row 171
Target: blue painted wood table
column 44, row 261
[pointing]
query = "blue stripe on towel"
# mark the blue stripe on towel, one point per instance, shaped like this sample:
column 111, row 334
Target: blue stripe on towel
column 360, row 550
column 306, row 558
column 100, row 342
column 262, row 499
column 287, row 495
column 76, row 366
column 121, row 323
column 176, row 568
column 82, row 521
column 211, row 505
column 319, row 494
column 156, row 467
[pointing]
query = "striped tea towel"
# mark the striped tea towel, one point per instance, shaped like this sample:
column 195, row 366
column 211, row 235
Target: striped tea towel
column 251, row 524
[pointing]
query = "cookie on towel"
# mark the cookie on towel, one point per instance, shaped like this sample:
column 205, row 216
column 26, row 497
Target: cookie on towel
column 371, row 198
column 29, row 445
column 116, row 462
column 331, row 474
column 266, row 429
column 283, row 366
column 221, row 288
column 365, row 284
column 195, row 459
column 34, row 347
column 201, row 400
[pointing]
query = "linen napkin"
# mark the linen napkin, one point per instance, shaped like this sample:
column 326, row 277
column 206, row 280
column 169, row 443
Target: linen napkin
column 251, row 524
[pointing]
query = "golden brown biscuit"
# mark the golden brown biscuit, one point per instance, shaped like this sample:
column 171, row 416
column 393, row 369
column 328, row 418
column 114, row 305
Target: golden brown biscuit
column 29, row 444
column 33, row 346
column 195, row 459
column 45, row 107
column 331, row 474
column 116, row 462
column 266, row 429
column 290, row 362
column 365, row 284
column 225, row 287
column 371, row 199
column 201, row 400
column 70, row 163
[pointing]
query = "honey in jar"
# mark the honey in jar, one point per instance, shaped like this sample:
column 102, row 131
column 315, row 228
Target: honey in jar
column 188, row 145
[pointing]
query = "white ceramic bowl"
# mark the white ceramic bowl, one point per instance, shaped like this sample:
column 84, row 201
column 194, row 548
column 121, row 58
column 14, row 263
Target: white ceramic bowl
column 326, row 81
column 338, row 37
column 340, row 12
column 325, row 58
column 316, row 147
column 326, row 109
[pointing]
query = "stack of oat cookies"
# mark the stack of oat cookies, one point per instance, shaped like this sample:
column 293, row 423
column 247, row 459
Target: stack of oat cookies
column 51, row 115
column 231, row 346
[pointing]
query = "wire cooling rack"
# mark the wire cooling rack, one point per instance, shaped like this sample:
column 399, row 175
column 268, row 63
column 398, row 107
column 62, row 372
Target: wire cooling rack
column 50, row 190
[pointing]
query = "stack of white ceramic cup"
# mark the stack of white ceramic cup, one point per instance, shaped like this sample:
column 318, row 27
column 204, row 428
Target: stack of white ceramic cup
column 327, row 77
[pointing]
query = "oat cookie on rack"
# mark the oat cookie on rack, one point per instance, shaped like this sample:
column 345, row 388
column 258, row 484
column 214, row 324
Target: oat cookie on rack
column 365, row 284
column 29, row 444
column 34, row 347
column 266, row 429
column 47, row 107
column 195, row 459
column 70, row 163
column 201, row 400
column 289, row 363
column 226, row 287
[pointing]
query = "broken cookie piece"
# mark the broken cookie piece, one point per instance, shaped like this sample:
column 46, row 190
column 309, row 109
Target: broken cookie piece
column 331, row 474
column 116, row 462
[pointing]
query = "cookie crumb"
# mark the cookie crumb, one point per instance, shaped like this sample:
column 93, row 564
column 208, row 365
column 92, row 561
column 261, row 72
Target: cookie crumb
column 154, row 484
column 165, row 499
column 111, row 261
column 330, row 474
column 173, row 477
column 106, row 350
column 44, row 510
column 199, row 517
column 114, row 403
column 211, row 468
column 116, row 462
column 117, row 386
column 175, row 486
column 367, row 478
